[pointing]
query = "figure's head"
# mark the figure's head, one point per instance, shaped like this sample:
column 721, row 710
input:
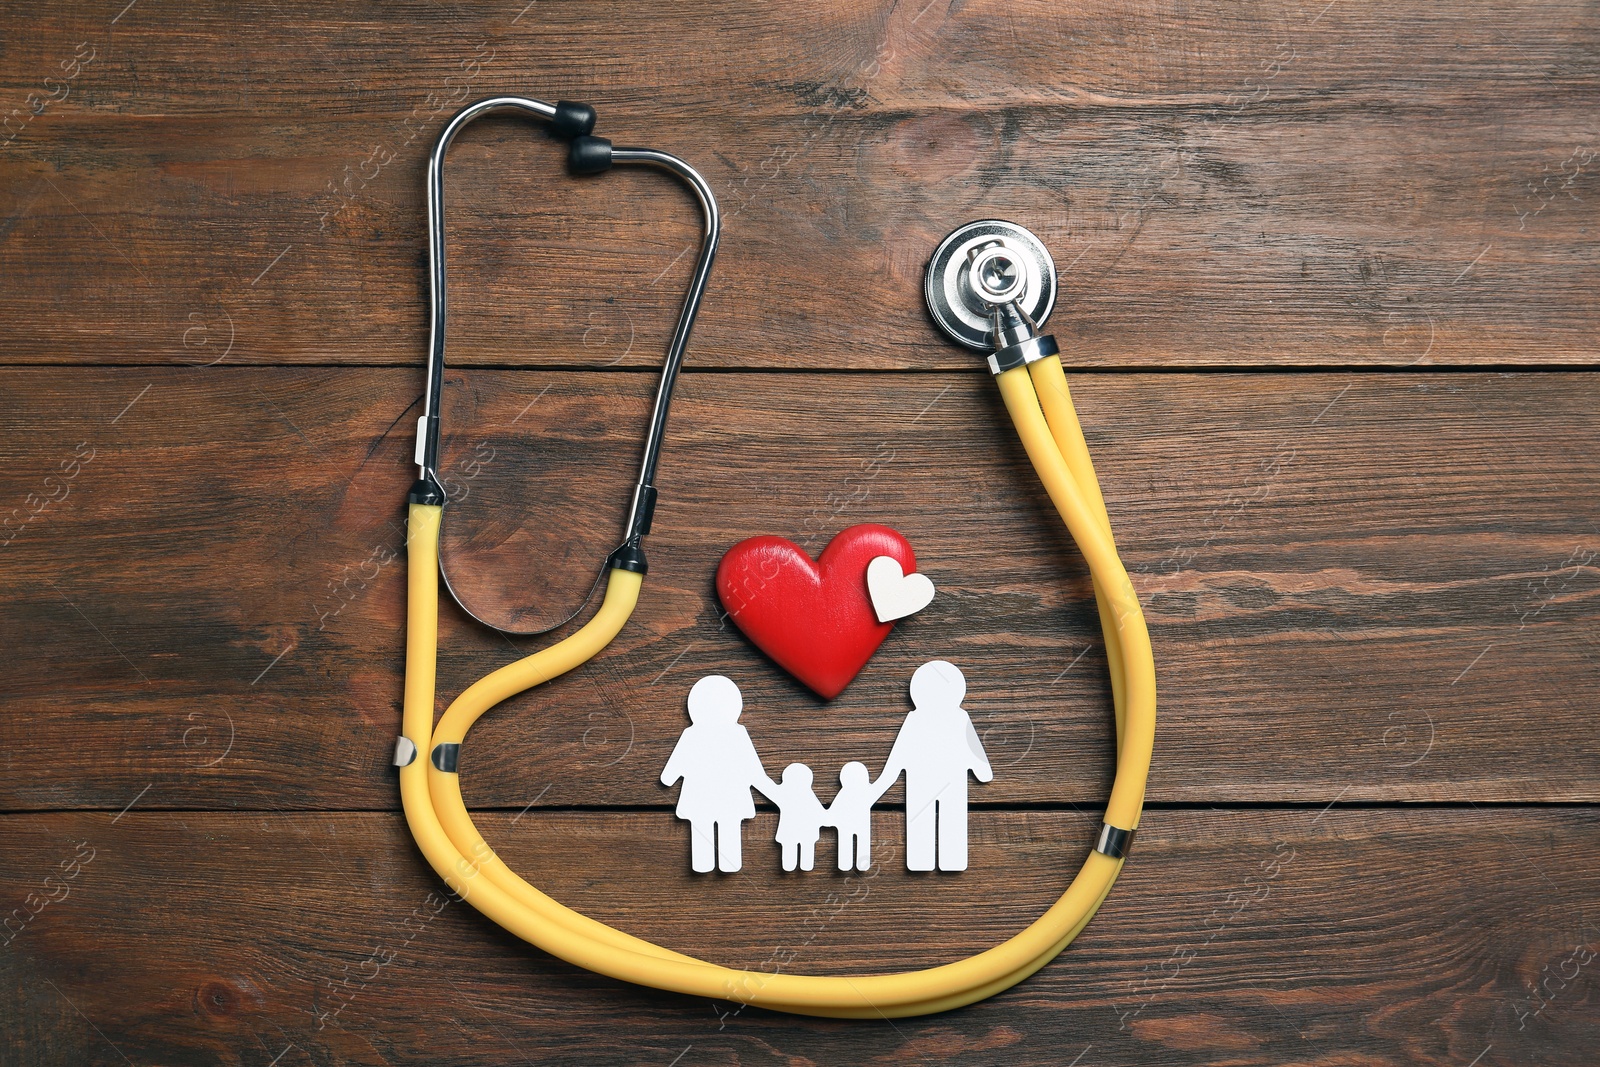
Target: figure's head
column 853, row 773
column 797, row 774
column 938, row 684
column 714, row 700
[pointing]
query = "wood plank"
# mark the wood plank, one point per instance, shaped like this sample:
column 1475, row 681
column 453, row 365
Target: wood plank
column 1247, row 937
column 1324, row 187
column 1376, row 588
column 690, row 56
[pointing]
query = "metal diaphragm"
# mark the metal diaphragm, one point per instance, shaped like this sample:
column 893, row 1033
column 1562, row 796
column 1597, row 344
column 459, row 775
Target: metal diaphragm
column 947, row 287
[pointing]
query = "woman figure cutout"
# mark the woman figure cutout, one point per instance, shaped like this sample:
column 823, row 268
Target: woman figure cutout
column 801, row 817
column 851, row 814
column 719, row 766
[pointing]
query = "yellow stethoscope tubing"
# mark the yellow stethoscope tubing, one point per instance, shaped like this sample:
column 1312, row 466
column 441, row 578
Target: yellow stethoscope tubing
column 1041, row 409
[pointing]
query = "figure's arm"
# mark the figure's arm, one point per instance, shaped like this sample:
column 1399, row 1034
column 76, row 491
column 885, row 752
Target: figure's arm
column 892, row 768
column 876, row 790
column 980, row 765
column 767, row 787
column 674, row 768
column 759, row 779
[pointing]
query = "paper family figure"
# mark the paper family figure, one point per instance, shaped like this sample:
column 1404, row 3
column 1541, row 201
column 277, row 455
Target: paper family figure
column 936, row 749
column 851, row 814
column 801, row 817
column 719, row 766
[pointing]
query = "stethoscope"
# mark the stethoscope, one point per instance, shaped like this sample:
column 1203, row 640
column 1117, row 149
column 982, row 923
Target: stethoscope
column 989, row 286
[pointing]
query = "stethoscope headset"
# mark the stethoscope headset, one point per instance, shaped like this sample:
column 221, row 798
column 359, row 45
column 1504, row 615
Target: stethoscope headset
column 989, row 285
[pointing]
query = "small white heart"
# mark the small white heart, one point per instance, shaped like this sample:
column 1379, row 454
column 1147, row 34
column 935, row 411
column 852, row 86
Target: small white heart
column 896, row 594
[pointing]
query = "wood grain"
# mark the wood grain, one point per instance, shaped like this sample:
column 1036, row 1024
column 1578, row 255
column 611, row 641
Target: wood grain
column 1254, row 937
column 1328, row 277
column 1367, row 185
column 1395, row 573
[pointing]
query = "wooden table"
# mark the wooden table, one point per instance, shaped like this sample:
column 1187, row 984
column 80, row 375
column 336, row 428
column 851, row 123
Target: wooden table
column 1329, row 276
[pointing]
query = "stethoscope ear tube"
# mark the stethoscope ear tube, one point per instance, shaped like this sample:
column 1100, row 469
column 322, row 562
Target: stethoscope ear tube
column 587, row 154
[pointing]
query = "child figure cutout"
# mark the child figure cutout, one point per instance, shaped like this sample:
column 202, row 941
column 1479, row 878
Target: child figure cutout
column 801, row 817
column 851, row 814
column 719, row 766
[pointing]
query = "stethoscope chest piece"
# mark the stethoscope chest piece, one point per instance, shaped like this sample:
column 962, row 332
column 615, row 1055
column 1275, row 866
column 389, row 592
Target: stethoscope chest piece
column 983, row 264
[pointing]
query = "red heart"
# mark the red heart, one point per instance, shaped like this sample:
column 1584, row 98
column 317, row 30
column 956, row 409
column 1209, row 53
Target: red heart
column 814, row 618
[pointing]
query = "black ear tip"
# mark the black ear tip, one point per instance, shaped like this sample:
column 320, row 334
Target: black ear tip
column 573, row 120
column 589, row 155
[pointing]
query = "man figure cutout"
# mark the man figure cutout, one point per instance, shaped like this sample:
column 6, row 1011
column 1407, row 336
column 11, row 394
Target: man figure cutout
column 936, row 749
